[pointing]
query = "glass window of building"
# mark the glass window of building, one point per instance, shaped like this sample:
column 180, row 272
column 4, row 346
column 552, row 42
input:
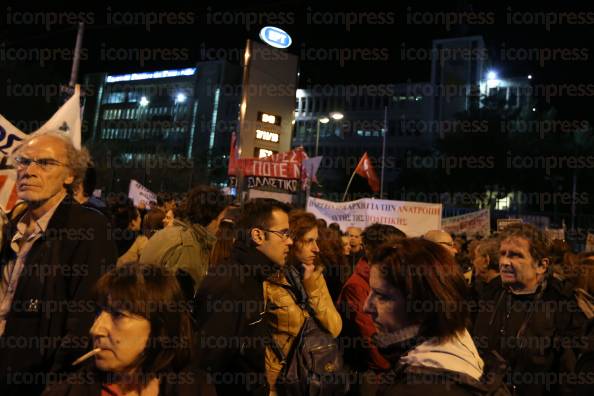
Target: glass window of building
column 513, row 98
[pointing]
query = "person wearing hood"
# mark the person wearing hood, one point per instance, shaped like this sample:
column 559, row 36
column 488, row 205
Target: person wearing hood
column 417, row 304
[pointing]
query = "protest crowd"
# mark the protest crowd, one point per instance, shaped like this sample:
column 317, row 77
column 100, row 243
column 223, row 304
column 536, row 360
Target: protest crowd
column 209, row 296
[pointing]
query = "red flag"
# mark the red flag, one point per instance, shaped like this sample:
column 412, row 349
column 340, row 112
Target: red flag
column 232, row 155
column 8, row 193
column 365, row 169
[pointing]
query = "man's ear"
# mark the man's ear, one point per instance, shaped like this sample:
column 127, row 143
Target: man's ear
column 542, row 266
column 257, row 236
column 69, row 180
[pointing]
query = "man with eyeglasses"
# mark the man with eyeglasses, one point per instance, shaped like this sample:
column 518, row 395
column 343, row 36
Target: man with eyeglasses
column 53, row 252
column 231, row 310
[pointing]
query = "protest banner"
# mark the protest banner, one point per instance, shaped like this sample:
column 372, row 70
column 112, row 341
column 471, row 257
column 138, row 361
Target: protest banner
column 471, row 224
column 280, row 169
column 502, row 223
column 272, row 184
column 286, row 165
column 413, row 218
column 541, row 222
column 8, row 193
column 139, row 193
column 286, row 198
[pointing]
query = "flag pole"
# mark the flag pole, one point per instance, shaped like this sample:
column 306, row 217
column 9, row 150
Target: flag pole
column 384, row 151
column 350, row 181
column 76, row 57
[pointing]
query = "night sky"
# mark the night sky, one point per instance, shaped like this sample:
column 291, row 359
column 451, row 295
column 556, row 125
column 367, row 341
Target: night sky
column 320, row 31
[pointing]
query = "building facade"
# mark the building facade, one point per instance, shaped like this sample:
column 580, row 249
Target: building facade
column 415, row 115
column 149, row 126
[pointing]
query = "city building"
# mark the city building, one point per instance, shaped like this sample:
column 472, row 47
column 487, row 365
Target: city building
column 341, row 122
column 267, row 103
column 149, row 126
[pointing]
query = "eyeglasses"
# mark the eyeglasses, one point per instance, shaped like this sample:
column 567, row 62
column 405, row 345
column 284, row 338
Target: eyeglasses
column 43, row 163
column 283, row 234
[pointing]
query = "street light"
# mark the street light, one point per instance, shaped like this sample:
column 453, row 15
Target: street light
column 492, row 79
column 324, row 120
column 337, row 116
column 180, row 97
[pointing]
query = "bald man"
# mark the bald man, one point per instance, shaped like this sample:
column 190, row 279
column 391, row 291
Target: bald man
column 442, row 238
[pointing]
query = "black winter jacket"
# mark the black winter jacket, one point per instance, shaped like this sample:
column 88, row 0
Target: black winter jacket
column 232, row 334
column 539, row 335
column 52, row 310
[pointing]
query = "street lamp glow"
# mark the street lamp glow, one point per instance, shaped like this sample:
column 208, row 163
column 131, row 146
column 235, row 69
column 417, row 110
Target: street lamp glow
column 534, row 109
column 492, row 79
column 337, row 116
column 181, row 98
column 144, row 101
column 324, row 120
column 529, row 76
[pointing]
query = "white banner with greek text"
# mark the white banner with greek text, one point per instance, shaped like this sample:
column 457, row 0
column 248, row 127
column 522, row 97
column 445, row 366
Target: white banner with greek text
column 413, row 218
column 471, row 224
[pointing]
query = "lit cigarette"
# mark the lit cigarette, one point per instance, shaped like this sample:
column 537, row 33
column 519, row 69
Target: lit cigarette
column 86, row 356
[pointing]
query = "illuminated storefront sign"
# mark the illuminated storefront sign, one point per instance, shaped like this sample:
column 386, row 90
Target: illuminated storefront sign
column 150, row 75
column 269, row 118
column 268, row 136
column 275, row 37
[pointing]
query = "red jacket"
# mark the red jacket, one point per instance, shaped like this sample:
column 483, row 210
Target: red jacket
column 356, row 322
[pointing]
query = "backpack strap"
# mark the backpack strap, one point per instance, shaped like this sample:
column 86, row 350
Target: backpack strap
column 273, row 344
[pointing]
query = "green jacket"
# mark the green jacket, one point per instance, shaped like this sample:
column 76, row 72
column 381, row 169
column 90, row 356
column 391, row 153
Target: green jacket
column 181, row 246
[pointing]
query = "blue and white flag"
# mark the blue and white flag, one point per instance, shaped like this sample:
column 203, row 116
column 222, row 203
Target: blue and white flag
column 10, row 136
column 67, row 119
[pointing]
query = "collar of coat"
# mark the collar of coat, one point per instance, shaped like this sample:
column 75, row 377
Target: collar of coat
column 58, row 220
column 261, row 267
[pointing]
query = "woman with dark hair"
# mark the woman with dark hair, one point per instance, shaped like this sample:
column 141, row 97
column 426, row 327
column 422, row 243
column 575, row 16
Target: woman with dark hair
column 142, row 339
column 126, row 222
column 286, row 316
column 151, row 223
column 417, row 303
column 333, row 260
column 225, row 235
